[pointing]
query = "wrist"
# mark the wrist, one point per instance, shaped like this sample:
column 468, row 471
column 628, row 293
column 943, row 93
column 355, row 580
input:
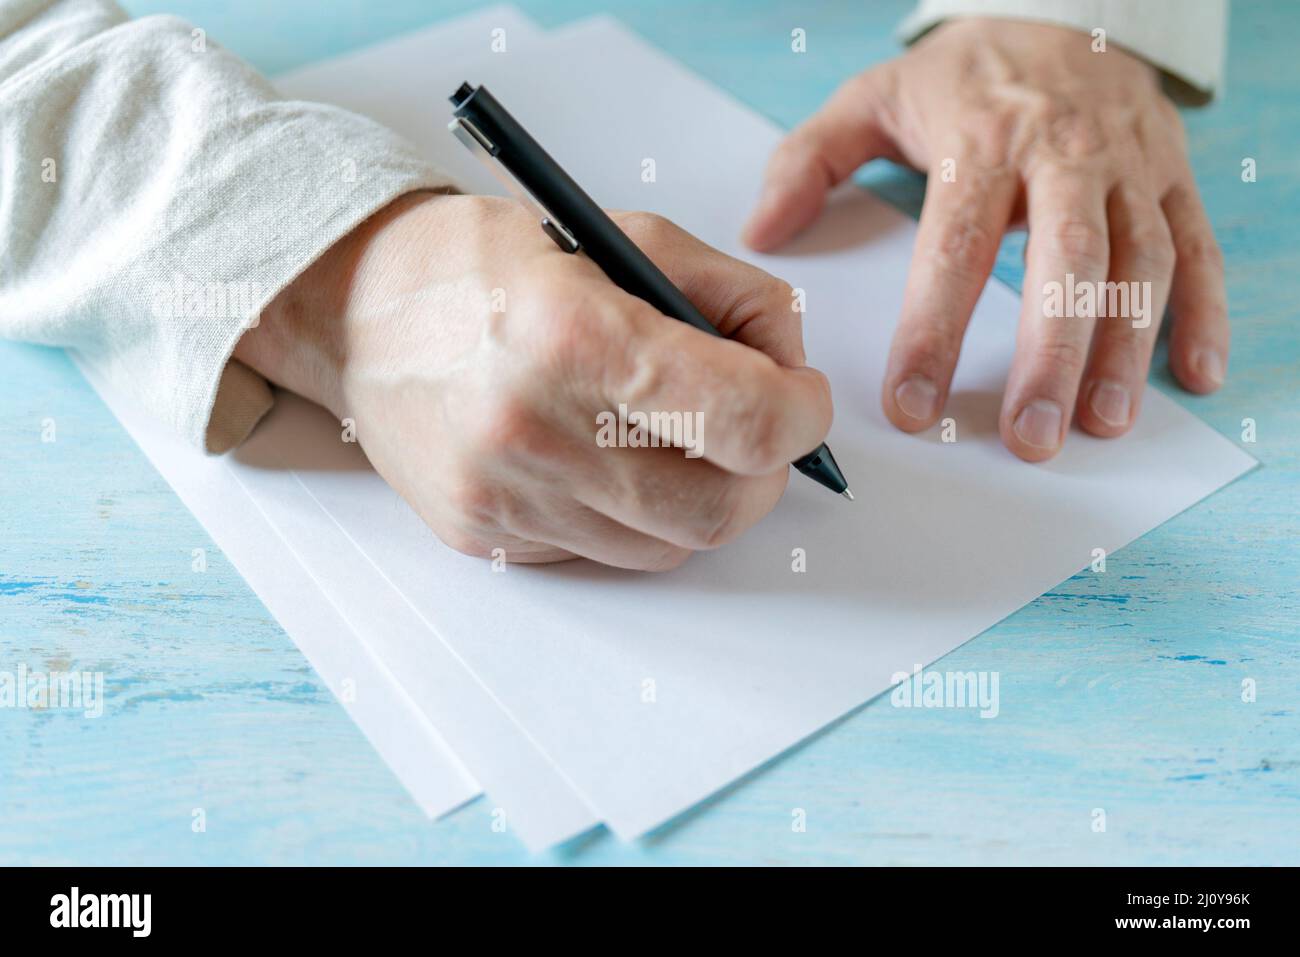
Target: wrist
column 1041, row 36
column 309, row 338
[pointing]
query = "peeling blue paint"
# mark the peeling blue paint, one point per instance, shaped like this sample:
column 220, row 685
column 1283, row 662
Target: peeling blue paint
column 12, row 587
column 80, row 598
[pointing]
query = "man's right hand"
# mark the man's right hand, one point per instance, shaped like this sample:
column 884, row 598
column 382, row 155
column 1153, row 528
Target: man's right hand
column 475, row 356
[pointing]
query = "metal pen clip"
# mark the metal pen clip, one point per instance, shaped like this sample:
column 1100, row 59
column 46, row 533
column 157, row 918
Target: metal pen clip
column 478, row 143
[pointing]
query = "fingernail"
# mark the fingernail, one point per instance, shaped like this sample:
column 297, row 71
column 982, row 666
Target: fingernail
column 1110, row 403
column 917, row 396
column 1209, row 364
column 1039, row 424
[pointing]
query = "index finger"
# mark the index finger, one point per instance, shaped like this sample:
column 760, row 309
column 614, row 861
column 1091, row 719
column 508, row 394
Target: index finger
column 849, row 130
column 749, row 414
column 743, row 302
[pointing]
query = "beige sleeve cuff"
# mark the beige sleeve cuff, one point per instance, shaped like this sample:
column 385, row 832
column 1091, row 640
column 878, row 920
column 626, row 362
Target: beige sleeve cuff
column 157, row 193
column 308, row 176
column 1187, row 39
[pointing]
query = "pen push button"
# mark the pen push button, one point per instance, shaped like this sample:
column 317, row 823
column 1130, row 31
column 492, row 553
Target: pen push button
column 561, row 236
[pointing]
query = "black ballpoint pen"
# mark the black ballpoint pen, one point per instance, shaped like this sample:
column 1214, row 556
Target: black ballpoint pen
column 575, row 223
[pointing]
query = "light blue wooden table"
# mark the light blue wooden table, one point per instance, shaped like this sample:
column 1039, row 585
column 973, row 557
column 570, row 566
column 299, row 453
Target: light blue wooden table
column 1119, row 691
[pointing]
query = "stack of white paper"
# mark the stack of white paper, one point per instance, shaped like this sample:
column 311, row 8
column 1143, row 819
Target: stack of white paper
column 576, row 694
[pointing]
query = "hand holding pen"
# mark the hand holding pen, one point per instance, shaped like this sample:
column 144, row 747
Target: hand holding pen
column 576, row 224
column 485, row 419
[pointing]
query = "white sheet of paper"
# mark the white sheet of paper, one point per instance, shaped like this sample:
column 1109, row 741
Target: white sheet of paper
column 746, row 656
column 386, row 715
column 409, row 73
column 394, row 724
column 298, row 440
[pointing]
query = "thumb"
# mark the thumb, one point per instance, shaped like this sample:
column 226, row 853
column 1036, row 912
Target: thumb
column 821, row 153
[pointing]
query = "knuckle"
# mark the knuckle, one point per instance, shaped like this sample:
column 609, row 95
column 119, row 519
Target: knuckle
column 766, row 450
column 507, row 426
column 1071, row 135
column 780, row 293
column 822, row 392
column 819, row 405
column 965, row 247
column 1035, row 106
column 788, row 306
column 665, row 559
column 779, row 306
column 1169, row 113
column 760, row 294
column 1148, row 243
column 465, row 541
column 1212, row 312
column 1079, row 240
column 988, row 136
column 473, row 501
column 1201, row 250
column 822, row 397
column 726, row 527
column 1062, row 354
column 636, row 376
column 569, row 335
column 1154, row 255
column 719, row 522
column 760, row 439
column 647, row 227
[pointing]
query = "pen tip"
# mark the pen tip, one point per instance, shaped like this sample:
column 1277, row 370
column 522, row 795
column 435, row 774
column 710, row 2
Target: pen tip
column 847, row 494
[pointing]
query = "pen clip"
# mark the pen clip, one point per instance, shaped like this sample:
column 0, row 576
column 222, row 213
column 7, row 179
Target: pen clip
column 482, row 147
